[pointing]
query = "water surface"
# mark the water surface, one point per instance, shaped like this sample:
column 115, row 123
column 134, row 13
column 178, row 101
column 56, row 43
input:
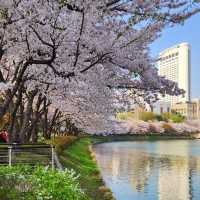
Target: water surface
column 143, row 170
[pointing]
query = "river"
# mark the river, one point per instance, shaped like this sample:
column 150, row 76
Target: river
column 144, row 170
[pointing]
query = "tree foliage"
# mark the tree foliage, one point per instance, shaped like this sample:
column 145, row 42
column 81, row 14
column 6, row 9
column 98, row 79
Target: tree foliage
column 80, row 59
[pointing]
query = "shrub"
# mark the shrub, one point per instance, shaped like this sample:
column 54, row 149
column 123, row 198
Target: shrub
column 125, row 115
column 152, row 128
column 177, row 118
column 25, row 183
column 147, row 116
column 143, row 127
column 185, row 128
column 166, row 116
column 194, row 123
column 142, row 115
column 168, row 128
column 62, row 142
column 156, row 127
column 159, row 117
column 136, row 127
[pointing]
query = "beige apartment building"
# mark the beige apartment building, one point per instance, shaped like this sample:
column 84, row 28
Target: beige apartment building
column 191, row 110
column 174, row 64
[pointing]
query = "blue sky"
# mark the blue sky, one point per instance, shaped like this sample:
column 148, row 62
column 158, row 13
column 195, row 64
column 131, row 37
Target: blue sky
column 189, row 32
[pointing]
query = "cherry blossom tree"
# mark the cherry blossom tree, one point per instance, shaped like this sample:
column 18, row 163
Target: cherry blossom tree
column 84, row 58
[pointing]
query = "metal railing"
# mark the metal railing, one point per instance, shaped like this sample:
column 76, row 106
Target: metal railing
column 30, row 154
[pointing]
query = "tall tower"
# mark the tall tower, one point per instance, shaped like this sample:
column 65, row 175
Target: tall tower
column 175, row 64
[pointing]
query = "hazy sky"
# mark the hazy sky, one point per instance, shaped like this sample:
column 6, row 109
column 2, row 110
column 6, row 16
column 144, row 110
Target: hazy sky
column 189, row 32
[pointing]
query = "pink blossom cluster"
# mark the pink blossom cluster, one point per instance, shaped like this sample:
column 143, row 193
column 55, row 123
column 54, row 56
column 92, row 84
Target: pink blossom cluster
column 184, row 128
column 194, row 123
column 140, row 127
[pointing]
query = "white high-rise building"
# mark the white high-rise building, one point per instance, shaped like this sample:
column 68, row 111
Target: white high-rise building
column 175, row 64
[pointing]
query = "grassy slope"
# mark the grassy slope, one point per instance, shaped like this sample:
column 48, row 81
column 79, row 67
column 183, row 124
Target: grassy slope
column 78, row 157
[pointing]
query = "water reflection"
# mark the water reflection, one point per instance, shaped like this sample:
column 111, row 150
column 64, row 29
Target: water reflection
column 162, row 170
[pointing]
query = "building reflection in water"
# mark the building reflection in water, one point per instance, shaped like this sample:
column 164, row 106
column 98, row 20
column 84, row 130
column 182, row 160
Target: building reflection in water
column 167, row 170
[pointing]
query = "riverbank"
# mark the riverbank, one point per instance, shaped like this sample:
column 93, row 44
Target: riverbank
column 78, row 156
column 151, row 137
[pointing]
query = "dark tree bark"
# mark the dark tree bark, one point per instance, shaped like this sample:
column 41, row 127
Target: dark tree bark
column 52, row 123
column 12, row 92
column 28, row 114
column 45, row 120
column 32, row 130
column 13, row 135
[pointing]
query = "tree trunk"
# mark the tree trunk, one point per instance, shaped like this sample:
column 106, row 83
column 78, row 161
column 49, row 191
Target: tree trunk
column 12, row 92
column 27, row 118
column 32, row 131
column 13, row 135
column 45, row 120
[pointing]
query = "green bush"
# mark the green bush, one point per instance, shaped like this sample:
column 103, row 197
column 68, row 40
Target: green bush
column 159, row 117
column 62, row 142
column 147, row 116
column 166, row 116
column 176, row 118
column 125, row 115
column 142, row 115
column 25, row 183
column 150, row 116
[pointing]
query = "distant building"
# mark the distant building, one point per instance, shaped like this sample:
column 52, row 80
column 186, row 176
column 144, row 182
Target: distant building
column 159, row 107
column 187, row 109
column 197, row 102
column 138, row 110
column 174, row 63
column 191, row 110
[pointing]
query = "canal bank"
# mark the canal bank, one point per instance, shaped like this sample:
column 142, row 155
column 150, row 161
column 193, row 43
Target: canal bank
column 150, row 136
column 80, row 156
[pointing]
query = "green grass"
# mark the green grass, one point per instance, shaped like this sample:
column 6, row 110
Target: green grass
column 78, row 157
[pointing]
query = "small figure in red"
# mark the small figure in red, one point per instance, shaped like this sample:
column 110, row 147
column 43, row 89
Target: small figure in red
column 4, row 136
